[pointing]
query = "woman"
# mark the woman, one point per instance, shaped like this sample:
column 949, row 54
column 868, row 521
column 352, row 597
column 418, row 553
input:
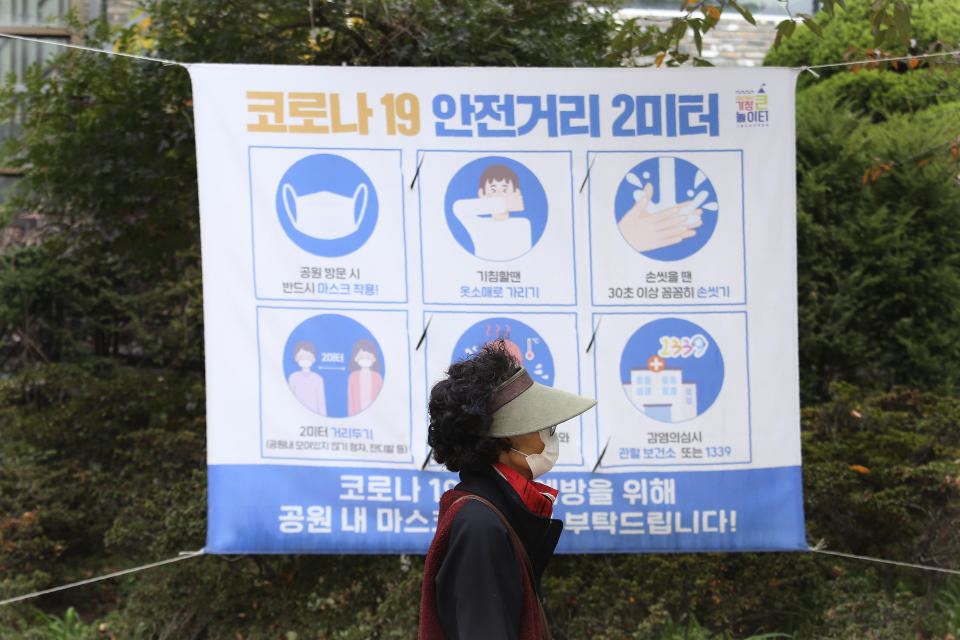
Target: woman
column 365, row 380
column 493, row 424
column 306, row 384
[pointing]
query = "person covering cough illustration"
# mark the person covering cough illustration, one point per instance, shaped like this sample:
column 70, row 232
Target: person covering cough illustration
column 496, row 234
column 366, row 377
column 307, row 386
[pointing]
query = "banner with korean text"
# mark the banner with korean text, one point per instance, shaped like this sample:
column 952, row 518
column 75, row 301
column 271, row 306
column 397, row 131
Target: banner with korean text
column 630, row 233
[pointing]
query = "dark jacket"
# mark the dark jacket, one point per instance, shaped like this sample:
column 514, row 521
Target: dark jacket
column 475, row 584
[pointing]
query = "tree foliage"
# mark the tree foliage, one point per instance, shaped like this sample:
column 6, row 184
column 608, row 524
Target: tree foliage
column 878, row 269
column 848, row 35
column 391, row 32
column 877, row 248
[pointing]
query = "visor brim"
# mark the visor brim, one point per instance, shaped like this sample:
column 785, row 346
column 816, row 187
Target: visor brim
column 537, row 408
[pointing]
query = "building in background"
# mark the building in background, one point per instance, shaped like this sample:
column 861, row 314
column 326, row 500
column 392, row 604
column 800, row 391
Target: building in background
column 733, row 42
column 113, row 11
column 41, row 20
column 45, row 20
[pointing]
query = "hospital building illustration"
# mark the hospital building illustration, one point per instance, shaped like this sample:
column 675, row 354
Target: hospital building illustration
column 661, row 393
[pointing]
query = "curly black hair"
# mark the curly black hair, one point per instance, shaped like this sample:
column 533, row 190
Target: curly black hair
column 459, row 422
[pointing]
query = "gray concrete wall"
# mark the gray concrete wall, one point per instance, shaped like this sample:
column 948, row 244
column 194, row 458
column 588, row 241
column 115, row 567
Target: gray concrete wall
column 734, row 42
column 118, row 11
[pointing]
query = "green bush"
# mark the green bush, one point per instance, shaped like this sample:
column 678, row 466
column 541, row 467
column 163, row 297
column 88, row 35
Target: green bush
column 878, row 266
column 97, row 454
column 947, row 605
column 883, row 484
column 848, row 31
column 878, row 94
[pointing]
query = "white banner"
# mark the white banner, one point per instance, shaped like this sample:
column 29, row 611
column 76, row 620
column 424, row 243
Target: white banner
column 631, row 233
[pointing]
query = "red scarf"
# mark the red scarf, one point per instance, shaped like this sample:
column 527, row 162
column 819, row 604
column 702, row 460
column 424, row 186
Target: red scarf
column 537, row 497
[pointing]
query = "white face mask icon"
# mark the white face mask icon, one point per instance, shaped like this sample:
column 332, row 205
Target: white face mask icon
column 323, row 214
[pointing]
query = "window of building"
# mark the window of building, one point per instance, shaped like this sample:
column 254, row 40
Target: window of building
column 642, row 391
column 37, row 19
column 6, row 182
column 16, row 56
column 33, row 13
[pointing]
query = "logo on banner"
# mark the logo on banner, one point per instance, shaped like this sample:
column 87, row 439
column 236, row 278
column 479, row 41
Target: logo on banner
column 671, row 370
column 496, row 208
column 327, row 205
column 333, row 365
column 666, row 208
column 526, row 346
column 753, row 107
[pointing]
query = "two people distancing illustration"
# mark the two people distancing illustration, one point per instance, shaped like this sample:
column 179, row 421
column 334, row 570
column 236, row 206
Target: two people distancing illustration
column 363, row 383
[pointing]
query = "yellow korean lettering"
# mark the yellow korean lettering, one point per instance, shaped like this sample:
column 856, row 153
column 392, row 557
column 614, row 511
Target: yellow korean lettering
column 404, row 108
column 364, row 113
column 336, row 123
column 311, row 108
column 270, row 115
column 408, row 113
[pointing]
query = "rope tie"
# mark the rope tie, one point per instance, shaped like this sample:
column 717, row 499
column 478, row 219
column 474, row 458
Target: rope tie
column 184, row 555
column 821, row 545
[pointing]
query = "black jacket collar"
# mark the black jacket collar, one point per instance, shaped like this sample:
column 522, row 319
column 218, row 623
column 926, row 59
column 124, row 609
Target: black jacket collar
column 538, row 534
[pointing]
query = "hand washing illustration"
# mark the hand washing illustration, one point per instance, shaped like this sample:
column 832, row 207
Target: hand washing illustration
column 496, row 208
column 327, row 205
column 666, row 208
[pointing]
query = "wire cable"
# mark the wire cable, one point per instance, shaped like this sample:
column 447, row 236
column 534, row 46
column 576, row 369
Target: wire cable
column 184, row 555
column 819, row 549
column 91, row 49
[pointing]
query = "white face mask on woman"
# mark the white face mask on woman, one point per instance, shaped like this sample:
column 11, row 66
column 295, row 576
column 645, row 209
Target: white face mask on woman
column 542, row 462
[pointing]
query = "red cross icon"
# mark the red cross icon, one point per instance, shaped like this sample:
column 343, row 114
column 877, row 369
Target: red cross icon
column 656, row 364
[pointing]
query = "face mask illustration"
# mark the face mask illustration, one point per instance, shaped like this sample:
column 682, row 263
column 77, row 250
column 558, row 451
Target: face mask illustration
column 323, row 214
column 542, row 462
